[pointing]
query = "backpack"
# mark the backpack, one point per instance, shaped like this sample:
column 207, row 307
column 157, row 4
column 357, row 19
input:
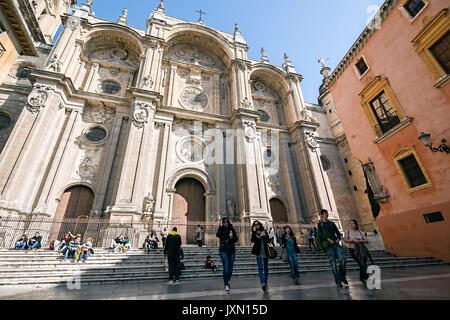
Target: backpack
column 52, row 245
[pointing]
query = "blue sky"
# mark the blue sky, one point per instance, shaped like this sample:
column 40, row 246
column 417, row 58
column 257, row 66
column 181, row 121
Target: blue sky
column 305, row 30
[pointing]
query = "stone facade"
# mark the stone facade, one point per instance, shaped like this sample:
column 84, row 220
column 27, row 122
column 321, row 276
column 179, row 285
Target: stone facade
column 130, row 113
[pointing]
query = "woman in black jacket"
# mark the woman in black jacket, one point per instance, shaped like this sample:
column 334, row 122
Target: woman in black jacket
column 227, row 251
column 260, row 239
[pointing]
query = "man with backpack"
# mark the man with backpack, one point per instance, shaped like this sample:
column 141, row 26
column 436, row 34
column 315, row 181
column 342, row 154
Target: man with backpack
column 328, row 237
column 172, row 252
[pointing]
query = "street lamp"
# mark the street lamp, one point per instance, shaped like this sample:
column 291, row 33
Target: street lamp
column 425, row 138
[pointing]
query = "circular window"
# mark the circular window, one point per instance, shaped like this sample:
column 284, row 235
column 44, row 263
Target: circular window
column 22, row 73
column 263, row 116
column 5, row 120
column 326, row 164
column 95, row 134
column 110, row 87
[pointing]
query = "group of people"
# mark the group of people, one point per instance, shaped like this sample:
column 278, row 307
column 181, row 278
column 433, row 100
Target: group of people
column 121, row 244
column 327, row 235
column 71, row 246
column 24, row 243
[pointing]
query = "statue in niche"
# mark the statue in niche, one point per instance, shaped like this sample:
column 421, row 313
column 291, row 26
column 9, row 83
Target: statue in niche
column 148, row 206
column 231, row 207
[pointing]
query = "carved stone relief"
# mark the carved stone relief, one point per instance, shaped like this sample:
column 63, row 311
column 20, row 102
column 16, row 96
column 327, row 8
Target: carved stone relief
column 98, row 114
column 191, row 55
column 141, row 113
column 37, row 98
column 249, row 131
column 87, row 166
column 311, row 139
column 193, row 98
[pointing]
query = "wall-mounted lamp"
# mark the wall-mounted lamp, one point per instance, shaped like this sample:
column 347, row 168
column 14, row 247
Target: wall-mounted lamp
column 426, row 140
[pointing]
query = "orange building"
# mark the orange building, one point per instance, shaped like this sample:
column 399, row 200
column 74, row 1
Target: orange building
column 393, row 85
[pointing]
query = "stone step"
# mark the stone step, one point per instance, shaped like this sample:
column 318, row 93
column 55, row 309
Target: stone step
column 159, row 261
column 185, row 276
column 91, row 265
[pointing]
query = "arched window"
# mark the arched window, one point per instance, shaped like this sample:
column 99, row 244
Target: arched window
column 110, row 87
column 5, row 120
column 95, row 134
column 326, row 163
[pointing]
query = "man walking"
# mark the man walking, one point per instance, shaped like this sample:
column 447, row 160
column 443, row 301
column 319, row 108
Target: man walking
column 199, row 236
column 311, row 239
column 172, row 252
column 279, row 233
column 329, row 236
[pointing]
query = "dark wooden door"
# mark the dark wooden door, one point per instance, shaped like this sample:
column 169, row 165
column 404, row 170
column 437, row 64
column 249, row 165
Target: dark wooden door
column 278, row 211
column 188, row 208
column 73, row 209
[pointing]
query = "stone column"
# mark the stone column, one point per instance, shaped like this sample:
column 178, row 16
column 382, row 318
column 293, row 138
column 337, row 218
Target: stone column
column 21, row 184
column 130, row 194
column 252, row 190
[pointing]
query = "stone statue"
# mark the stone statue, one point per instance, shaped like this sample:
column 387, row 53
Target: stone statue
column 149, row 203
column 231, row 207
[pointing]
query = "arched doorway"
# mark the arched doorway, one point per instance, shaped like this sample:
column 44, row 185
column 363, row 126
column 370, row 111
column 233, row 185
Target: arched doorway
column 188, row 208
column 72, row 212
column 278, row 211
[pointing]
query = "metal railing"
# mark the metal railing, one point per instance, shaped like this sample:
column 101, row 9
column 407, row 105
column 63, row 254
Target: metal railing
column 103, row 231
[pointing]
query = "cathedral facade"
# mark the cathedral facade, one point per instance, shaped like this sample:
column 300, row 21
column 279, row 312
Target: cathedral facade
column 174, row 124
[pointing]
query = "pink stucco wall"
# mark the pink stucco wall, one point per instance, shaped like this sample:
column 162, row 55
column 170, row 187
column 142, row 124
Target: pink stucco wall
column 390, row 52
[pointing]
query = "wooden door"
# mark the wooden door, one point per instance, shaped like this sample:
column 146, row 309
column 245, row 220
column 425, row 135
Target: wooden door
column 188, row 208
column 278, row 211
column 76, row 204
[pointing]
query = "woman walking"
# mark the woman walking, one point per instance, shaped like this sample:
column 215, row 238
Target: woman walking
column 227, row 251
column 260, row 239
column 353, row 237
column 291, row 253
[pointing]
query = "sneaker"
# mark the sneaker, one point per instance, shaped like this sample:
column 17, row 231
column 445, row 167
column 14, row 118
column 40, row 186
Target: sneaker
column 227, row 288
column 264, row 287
column 295, row 281
column 170, row 281
column 177, row 281
column 344, row 281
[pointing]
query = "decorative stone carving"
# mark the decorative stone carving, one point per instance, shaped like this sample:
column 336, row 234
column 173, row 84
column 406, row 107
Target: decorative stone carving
column 54, row 64
column 73, row 23
column 245, row 103
column 37, row 98
column 86, row 169
column 147, row 82
column 191, row 149
column 191, row 55
column 379, row 192
column 141, row 113
column 273, row 182
column 200, row 175
column 114, row 71
column 101, row 114
column 154, row 44
column 249, row 131
column 311, row 139
column 193, row 98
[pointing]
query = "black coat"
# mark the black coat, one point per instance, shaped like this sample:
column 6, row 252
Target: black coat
column 227, row 243
column 257, row 243
column 173, row 245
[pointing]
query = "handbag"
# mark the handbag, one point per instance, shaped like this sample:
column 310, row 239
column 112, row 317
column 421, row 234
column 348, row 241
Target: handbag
column 272, row 253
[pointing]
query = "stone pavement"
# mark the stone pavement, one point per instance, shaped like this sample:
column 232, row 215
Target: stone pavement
column 421, row 283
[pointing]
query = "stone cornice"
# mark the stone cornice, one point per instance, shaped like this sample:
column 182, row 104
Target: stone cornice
column 359, row 44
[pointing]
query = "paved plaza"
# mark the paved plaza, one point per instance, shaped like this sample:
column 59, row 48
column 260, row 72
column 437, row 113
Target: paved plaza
column 422, row 283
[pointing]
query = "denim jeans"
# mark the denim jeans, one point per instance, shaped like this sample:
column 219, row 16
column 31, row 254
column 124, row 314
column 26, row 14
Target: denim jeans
column 227, row 263
column 21, row 245
column 337, row 252
column 174, row 270
column 293, row 264
column 69, row 251
column 116, row 248
column 263, row 269
column 362, row 271
column 84, row 254
column 34, row 245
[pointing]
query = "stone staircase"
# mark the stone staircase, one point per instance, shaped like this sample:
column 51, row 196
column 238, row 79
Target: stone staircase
column 43, row 266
